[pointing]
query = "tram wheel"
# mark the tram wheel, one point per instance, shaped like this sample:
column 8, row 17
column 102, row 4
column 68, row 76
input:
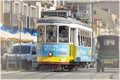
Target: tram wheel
column 38, row 67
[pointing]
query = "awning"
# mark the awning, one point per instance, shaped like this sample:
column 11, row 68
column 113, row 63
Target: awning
column 9, row 29
column 34, row 38
column 15, row 30
column 7, row 36
column 21, row 37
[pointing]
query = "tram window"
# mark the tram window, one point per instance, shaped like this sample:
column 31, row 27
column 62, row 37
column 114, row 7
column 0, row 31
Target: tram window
column 79, row 37
column 88, row 39
column 84, row 38
column 51, row 33
column 63, row 33
column 41, row 33
column 88, row 42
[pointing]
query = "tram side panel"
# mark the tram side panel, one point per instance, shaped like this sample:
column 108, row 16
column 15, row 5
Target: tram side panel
column 54, row 54
column 84, row 55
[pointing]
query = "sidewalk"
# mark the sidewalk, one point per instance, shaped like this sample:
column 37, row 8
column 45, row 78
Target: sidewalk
column 9, row 72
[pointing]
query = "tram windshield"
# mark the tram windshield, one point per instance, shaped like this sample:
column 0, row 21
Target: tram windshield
column 41, row 33
column 63, row 33
column 50, row 33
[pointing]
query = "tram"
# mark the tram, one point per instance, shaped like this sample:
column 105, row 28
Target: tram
column 63, row 43
column 108, row 52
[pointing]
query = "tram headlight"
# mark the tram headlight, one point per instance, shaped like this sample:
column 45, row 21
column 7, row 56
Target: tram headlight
column 50, row 54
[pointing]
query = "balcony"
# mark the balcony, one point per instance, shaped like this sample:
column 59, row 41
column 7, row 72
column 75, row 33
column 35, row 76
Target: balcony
column 28, row 22
column 7, row 20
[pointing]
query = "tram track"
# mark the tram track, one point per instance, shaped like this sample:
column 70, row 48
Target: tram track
column 89, row 73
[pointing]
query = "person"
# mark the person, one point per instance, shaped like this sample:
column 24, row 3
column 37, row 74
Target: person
column 94, row 57
column 50, row 34
column 41, row 34
column 3, row 51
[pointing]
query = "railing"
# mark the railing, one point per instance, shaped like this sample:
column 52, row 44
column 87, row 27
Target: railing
column 28, row 22
column 7, row 20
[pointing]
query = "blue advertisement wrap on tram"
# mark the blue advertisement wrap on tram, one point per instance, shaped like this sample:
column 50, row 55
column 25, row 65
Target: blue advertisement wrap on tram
column 83, row 54
column 56, row 49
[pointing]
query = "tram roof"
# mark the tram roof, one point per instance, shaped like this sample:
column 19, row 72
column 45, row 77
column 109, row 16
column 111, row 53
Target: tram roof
column 61, row 20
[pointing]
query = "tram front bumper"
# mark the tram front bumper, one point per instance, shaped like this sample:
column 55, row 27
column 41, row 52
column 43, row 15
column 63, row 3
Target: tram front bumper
column 52, row 60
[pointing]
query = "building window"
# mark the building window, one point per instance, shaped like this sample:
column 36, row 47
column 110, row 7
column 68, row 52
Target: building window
column 25, row 9
column 83, row 12
column 33, row 11
column 17, row 8
column 33, row 15
column 7, row 6
column 82, row 8
column 24, row 14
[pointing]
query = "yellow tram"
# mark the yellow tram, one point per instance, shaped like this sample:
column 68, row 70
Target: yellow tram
column 63, row 43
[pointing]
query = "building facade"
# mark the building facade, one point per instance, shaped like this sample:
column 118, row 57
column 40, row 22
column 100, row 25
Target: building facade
column 25, row 13
column 19, row 15
column 1, row 13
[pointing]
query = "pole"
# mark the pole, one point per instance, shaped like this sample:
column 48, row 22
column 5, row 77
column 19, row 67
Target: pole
column 7, row 63
column 92, row 28
column 11, row 17
column 20, row 21
column 20, row 44
column 20, row 30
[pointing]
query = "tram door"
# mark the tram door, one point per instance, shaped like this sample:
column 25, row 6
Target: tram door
column 73, row 36
column 73, row 40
